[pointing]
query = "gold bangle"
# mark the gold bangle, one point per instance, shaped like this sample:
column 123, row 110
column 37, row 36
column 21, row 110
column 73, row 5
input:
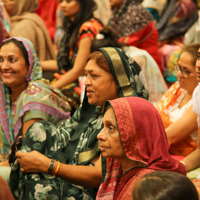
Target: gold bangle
column 184, row 165
column 57, row 168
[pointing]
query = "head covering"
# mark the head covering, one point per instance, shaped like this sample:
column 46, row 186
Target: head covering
column 76, row 139
column 22, row 6
column 26, row 23
column 155, row 80
column 123, row 17
column 143, row 139
column 38, row 96
column 130, row 82
column 177, row 17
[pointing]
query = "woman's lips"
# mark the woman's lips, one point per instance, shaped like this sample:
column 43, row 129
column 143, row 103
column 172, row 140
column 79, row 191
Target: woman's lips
column 89, row 93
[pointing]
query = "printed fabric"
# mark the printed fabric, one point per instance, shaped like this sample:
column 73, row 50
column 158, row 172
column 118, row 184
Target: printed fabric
column 38, row 100
column 74, row 141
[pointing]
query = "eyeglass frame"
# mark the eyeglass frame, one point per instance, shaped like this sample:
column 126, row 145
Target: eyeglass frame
column 68, row 1
column 184, row 72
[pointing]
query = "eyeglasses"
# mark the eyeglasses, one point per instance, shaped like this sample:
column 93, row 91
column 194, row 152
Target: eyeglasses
column 184, row 72
column 68, row 1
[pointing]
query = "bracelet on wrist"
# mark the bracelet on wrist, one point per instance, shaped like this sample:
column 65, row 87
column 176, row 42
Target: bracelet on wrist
column 184, row 165
column 51, row 167
column 57, row 168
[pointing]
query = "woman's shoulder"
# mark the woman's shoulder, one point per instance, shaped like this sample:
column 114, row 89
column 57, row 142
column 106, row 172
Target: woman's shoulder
column 91, row 25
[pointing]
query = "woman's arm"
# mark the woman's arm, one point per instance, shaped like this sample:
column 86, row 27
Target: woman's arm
column 27, row 124
column 182, row 128
column 192, row 161
column 49, row 65
column 79, row 64
column 86, row 176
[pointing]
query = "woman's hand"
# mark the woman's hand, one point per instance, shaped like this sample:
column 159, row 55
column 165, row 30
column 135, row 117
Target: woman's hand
column 33, row 162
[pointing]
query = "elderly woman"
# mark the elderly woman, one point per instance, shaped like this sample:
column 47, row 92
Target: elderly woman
column 25, row 96
column 175, row 107
column 26, row 23
column 109, row 74
column 134, row 143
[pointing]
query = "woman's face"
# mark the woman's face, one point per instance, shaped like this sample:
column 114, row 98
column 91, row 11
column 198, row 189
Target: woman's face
column 186, row 66
column 13, row 69
column 116, row 3
column 8, row 4
column 109, row 136
column 100, row 85
column 70, row 8
column 198, row 66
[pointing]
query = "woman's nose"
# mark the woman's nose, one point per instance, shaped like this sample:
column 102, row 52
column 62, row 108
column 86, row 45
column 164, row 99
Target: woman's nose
column 198, row 65
column 63, row 4
column 101, row 135
column 4, row 65
column 179, row 73
column 87, row 81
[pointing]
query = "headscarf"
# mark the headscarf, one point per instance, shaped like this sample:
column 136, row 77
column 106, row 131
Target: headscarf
column 24, row 7
column 39, row 97
column 26, row 23
column 143, row 139
column 76, row 138
column 129, row 18
column 177, row 17
column 130, row 82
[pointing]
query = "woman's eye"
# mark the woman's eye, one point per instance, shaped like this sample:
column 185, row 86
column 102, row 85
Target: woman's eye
column 1, row 59
column 94, row 75
column 111, row 128
column 198, row 56
column 12, row 60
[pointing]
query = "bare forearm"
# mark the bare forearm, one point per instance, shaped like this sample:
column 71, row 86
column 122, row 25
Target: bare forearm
column 86, row 176
column 49, row 65
column 70, row 77
column 192, row 161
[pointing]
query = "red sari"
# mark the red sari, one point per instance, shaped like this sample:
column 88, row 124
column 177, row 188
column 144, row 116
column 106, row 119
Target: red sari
column 144, row 140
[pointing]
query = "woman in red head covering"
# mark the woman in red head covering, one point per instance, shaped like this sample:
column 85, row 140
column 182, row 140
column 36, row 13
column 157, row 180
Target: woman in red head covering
column 134, row 143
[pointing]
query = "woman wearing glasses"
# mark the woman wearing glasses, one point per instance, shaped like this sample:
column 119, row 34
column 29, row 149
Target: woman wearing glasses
column 175, row 106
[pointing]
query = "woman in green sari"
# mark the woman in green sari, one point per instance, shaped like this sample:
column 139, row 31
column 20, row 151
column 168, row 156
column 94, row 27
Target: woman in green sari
column 109, row 74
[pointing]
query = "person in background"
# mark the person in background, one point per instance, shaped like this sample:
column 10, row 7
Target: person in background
column 154, row 78
column 134, row 26
column 80, row 29
column 26, row 23
column 134, row 143
column 161, row 185
column 176, row 108
column 192, row 161
column 48, row 15
column 176, row 18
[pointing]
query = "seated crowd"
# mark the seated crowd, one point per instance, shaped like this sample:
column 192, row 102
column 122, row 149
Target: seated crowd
column 88, row 109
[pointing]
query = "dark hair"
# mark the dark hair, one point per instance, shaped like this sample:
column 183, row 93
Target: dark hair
column 101, row 60
column 109, row 40
column 164, row 185
column 20, row 45
column 87, row 7
column 192, row 49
